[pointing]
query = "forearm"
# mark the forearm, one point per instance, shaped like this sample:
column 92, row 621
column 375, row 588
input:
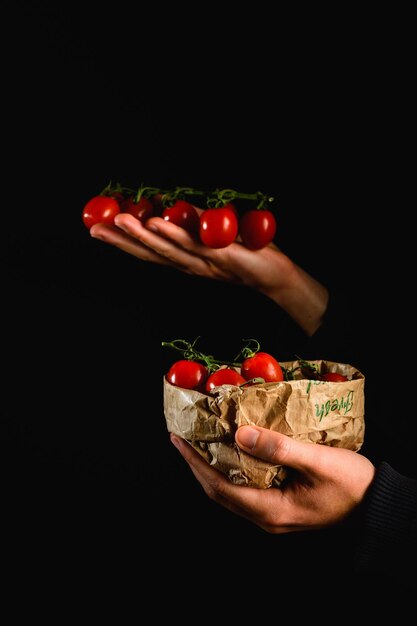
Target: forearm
column 269, row 271
column 302, row 297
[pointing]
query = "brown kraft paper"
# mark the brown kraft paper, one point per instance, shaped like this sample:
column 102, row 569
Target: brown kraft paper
column 320, row 412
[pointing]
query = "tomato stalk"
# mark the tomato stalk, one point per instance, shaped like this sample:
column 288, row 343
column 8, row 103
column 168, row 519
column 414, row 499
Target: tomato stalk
column 214, row 199
column 247, row 352
column 221, row 197
column 311, row 368
column 112, row 190
column 253, row 381
column 189, row 352
column 146, row 192
column 179, row 193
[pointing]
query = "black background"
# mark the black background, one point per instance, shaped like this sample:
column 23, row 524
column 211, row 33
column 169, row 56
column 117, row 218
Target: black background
column 317, row 119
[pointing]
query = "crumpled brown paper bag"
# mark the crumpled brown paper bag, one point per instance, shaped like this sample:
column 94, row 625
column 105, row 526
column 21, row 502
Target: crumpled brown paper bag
column 327, row 413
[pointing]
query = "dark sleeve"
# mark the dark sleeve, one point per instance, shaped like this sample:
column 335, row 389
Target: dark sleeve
column 387, row 543
column 377, row 340
column 385, row 539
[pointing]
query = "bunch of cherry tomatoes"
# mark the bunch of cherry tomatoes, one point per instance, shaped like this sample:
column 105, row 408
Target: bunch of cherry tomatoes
column 217, row 226
column 203, row 372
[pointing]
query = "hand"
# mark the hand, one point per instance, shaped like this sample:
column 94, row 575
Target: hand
column 163, row 242
column 267, row 270
column 327, row 485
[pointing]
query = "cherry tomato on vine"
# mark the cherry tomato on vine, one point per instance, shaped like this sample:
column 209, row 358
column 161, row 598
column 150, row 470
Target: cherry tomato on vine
column 231, row 206
column 187, row 374
column 333, row 377
column 142, row 210
column 218, row 227
column 117, row 195
column 157, row 204
column 257, row 228
column 224, row 376
column 100, row 210
column 262, row 365
column 183, row 214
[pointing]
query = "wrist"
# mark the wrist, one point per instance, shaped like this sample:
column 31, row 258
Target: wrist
column 303, row 297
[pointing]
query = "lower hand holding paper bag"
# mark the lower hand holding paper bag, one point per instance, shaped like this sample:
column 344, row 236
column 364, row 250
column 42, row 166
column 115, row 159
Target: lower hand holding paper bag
column 313, row 411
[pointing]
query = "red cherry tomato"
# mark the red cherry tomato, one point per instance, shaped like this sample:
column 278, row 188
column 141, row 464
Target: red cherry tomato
column 225, row 376
column 142, row 210
column 157, row 204
column 333, row 377
column 187, row 374
column 100, row 210
column 231, row 206
column 257, row 228
column 117, row 195
column 218, row 227
column 262, row 365
column 182, row 214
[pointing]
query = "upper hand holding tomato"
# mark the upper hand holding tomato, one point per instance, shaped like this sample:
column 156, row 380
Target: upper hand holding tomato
column 217, row 226
column 267, row 270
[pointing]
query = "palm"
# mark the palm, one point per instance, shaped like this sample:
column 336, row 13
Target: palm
column 175, row 247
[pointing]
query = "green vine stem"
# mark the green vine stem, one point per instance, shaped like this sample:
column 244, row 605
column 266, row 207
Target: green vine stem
column 311, row 368
column 190, row 353
column 221, row 197
column 213, row 199
column 116, row 189
column 146, row 192
column 247, row 352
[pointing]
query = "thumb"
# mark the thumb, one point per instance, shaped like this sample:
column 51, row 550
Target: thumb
column 275, row 447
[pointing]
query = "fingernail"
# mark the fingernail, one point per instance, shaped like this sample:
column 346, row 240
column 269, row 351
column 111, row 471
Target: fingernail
column 153, row 228
column 175, row 440
column 248, row 436
column 97, row 236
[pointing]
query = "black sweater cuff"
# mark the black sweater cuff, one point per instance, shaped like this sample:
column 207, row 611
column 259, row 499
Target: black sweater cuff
column 389, row 540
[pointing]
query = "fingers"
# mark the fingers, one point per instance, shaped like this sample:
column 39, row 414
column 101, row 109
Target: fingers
column 250, row 503
column 165, row 243
column 131, row 236
column 155, row 231
column 277, row 448
column 171, row 241
column 119, row 239
column 200, row 466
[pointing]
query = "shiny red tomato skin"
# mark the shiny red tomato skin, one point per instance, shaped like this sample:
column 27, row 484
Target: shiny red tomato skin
column 100, row 210
column 157, row 204
column 257, row 228
column 117, row 195
column 142, row 210
column 333, row 377
column 224, row 376
column 218, row 227
column 187, row 374
column 231, row 206
column 262, row 365
column 183, row 214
